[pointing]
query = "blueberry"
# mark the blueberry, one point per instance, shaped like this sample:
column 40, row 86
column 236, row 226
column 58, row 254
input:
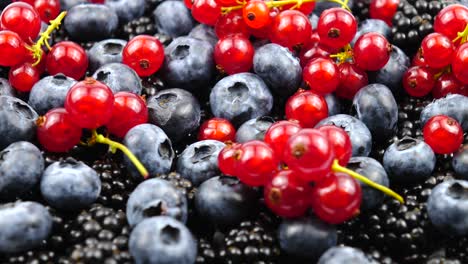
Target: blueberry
column 67, row 4
column 188, row 63
column 240, row 97
column 254, row 129
column 344, row 254
column 359, row 134
column 279, row 69
column 333, row 103
column 453, row 105
column 409, row 160
column 50, row 92
column 199, row 161
column 21, row 167
column 306, row 237
column 373, row 170
column 372, row 25
column 176, row 111
column 156, row 197
column 322, row 6
column 127, row 10
column 17, row 121
column 460, row 162
column 162, row 240
column 447, row 207
column 119, row 77
column 23, row 226
column 204, row 32
column 173, row 18
column 6, row 88
column 70, row 185
column 105, row 52
column 90, row 22
column 151, row 146
column 224, row 201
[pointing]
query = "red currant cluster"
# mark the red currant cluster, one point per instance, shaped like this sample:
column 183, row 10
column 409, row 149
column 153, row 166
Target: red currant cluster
column 441, row 64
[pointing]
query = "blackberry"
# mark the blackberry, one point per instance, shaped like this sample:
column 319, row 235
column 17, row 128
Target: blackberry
column 458, row 249
column 141, row 26
column 409, row 111
column 152, row 85
column 184, row 185
column 361, row 9
column 62, row 35
column 206, row 253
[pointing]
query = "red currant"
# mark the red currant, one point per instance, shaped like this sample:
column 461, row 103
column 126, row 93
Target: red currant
column 264, row 32
column 278, row 135
column 336, row 27
column 23, row 77
column 307, row 107
column 437, row 50
column 256, row 14
column 418, row 81
column 12, row 48
column 443, row 134
column 23, row 19
column 129, row 110
column 383, row 10
column 188, row 3
column 447, row 84
column 257, row 163
column 230, row 24
column 47, row 9
column 206, row 11
column 460, row 63
column 321, row 75
column 311, row 52
column 234, row 54
column 352, row 79
column 68, row 58
column 371, row 51
column 228, row 159
column 418, row 60
column 227, row 2
column 340, row 141
column 144, row 54
column 451, row 20
column 291, row 29
column 305, row 8
column 217, row 129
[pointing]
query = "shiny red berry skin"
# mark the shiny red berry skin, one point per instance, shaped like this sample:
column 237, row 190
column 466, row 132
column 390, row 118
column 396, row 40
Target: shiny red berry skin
column 337, row 198
column 340, row 141
column 321, row 75
column 206, row 11
column 228, row 159
column 451, row 20
column 443, row 134
column 305, row 8
column 257, row 163
column 256, row 14
column 291, row 29
column 352, row 79
column 447, row 84
column 234, row 54
column 23, row 19
column 437, row 50
column 23, row 77
column 371, row 51
column 418, row 60
column 306, row 107
column 264, row 32
column 336, row 27
column 144, row 54
column 12, row 48
column 279, row 133
column 311, row 52
column 31, row 2
column 129, row 110
column 227, row 2
column 287, row 196
column 310, row 154
column 231, row 23
column 217, row 129
column 90, row 103
column 418, row 81
column 188, row 3
column 57, row 132
column 47, row 9
column 68, row 58
column 383, row 10
column 460, row 63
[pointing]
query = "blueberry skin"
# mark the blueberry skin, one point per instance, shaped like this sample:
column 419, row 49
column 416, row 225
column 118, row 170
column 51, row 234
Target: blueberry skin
column 119, row 77
column 409, row 160
column 447, row 207
column 67, row 4
column 23, row 226
column 21, row 167
column 240, row 97
column 254, row 129
column 372, row 25
column 344, row 254
column 453, row 105
column 173, row 18
column 333, row 103
column 306, row 237
column 127, row 10
column 105, row 52
column 199, row 161
column 162, row 240
column 70, row 185
column 374, row 171
column 50, row 92
column 359, row 134
column 6, row 88
column 224, row 201
column 176, row 111
column 376, row 107
column 279, row 69
column 460, row 162
column 322, row 6
column 17, row 121
column 204, row 32
column 152, row 147
column 90, row 22
column 188, row 63
column 156, row 197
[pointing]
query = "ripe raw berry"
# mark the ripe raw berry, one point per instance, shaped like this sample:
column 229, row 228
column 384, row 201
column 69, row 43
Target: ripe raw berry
column 227, row 2
column 90, row 103
column 256, row 14
column 279, row 133
column 291, row 29
column 383, row 10
column 264, row 32
column 230, row 24
column 12, row 48
column 68, row 58
column 340, row 141
column 23, row 76
column 437, row 50
column 23, row 19
column 129, row 110
column 307, row 107
column 228, row 159
column 144, row 54
column 310, row 154
column 57, row 132
column 460, row 63
column 337, row 198
column 217, row 129
column 336, row 27
column 321, row 75
column 371, row 51
column 418, row 81
column 188, row 3
column 234, row 54
column 352, row 79
column 418, row 60
column 448, row 84
column 47, row 9
column 443, row 134
column 305, row 8
column 311, row 52
column 257, row 163
column 206, row 11
column 451, row 20
column 287, row 196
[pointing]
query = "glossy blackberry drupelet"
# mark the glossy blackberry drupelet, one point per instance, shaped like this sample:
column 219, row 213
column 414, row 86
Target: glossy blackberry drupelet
column 183, row 185
column 143, row 25
column 119, row 78
column 360, row 9
column 254, row 129
column 50, row 92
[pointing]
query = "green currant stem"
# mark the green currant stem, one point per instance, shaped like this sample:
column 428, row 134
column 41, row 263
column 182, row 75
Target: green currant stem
column 298, row 3
column 344, row 55
column 462, row 36
column 447, row 69
column 336, row 167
